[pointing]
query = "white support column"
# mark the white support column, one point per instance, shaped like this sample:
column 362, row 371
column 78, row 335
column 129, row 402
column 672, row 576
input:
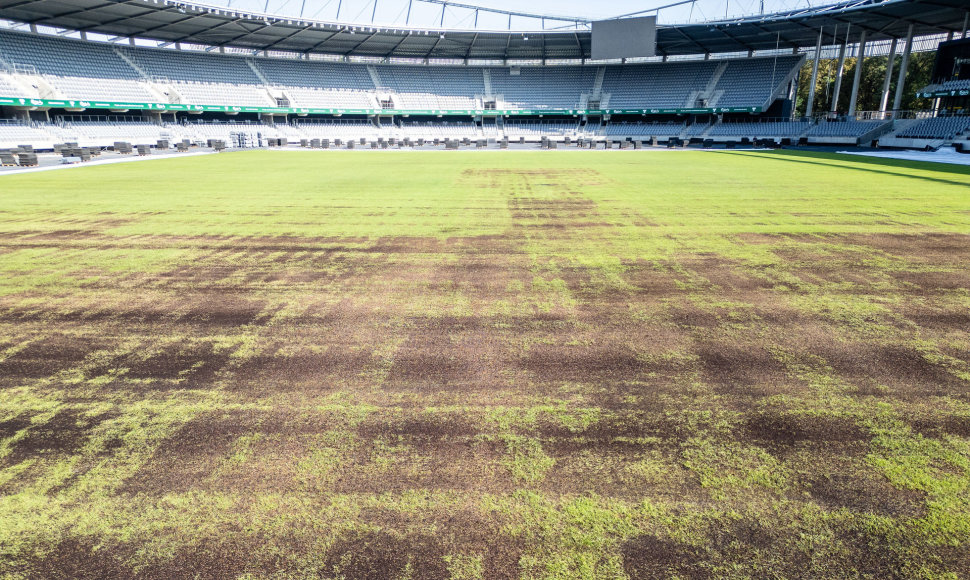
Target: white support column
column 838, row 77
column 901, row 83
column 966, row 20
column 860, row 62
column 811, row 83
column 889, row 77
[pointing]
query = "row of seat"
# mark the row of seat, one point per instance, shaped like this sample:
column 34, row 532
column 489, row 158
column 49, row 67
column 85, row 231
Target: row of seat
column 103, row 132
column 937, row 128
column 81, row 70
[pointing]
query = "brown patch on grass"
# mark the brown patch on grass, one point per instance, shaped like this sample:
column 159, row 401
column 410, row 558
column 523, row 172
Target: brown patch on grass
column 74, row 558
column 934, row 281
column 937, row 318
column 688, row 316
column 867, row 365
column 420, row 367
column 723, row 273
column 930, row 247
column 653, row 558
column 184, row 460
column 195, row 363
column 496, row 177
column 736, row 364
column 868, row 492
column 60, row 437
column 444, row 464
column 227, row 558
column 774, row 428
column 447, row 353
column 386, row 554
column 611, row 468
column 222, row 309
column 577, row 363
column 274, row 372
column 483, row 278
column 63, row 434
column 417, row 426
column 48, row 356
column 10, row 427
column 941, row 425
column 418, row 451
column 652, row 279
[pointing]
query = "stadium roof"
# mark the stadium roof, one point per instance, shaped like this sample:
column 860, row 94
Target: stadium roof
column 178, row 21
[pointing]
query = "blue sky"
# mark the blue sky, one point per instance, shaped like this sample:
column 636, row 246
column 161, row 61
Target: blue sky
column 391, row 12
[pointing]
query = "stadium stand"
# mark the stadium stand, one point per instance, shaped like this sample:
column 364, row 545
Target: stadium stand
column 313, row 84
column 433, row 87
column 14, row 133
column 74, row 69
column 339, row 129
column 752, row 81
column 845, row 128
column 656, row 85
column 776, row 129
column 619, row 98
column 515, row 128
column 102, row 134
column 440, row 130
column 644, row 129
column 204, row 78
column 954, row 85
column 697, row 129
column 937, row 128
column 542, row 88
column 149, row 75
column 7, row 87
column 205, row 132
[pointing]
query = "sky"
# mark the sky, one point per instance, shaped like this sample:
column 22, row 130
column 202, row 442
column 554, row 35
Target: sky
column 394, row 12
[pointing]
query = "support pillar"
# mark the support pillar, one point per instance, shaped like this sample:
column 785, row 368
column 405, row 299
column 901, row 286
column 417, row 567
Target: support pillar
column 811, row 83
column 889, row 77
column 857, row 78
column 966, row 20
column 901, row 83
column 838, row 78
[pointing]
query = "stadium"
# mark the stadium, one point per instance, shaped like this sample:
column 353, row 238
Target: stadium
column 367, row 289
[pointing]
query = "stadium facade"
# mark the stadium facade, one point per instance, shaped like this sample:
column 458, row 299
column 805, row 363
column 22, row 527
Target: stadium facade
column 95, row 73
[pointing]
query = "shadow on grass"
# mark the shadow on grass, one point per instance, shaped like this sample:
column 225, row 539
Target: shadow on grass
column 815, row 158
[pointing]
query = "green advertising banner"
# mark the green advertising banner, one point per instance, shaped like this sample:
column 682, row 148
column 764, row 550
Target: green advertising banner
column 948, row 93
column 177, row 107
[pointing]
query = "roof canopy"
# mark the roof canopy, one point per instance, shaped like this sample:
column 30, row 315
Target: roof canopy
column 176, row 21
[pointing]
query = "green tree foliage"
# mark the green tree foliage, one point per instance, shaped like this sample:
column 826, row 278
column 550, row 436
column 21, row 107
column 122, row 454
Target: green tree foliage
column 870, row 86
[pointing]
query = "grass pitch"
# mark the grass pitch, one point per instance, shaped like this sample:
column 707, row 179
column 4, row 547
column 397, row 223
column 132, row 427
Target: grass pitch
column 486, row 365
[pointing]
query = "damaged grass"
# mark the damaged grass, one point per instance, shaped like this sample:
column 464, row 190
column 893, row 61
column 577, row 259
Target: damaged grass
column 532, row 365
